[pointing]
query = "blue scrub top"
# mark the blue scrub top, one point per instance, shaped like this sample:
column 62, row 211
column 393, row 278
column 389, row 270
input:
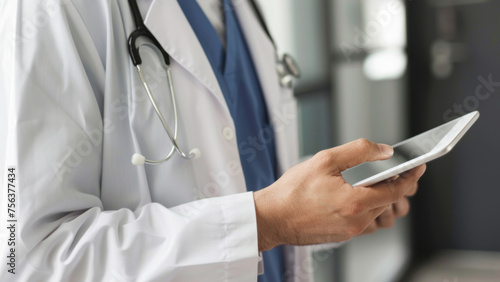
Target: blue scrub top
column 235, row 72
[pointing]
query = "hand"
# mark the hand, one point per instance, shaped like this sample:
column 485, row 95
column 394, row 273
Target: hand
column 388, row 217
column 311, row 203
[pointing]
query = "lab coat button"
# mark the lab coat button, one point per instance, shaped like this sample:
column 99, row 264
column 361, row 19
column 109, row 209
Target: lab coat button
column 228, row 133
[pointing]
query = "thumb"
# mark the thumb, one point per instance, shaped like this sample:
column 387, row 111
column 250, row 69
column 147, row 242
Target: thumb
column 357, row 152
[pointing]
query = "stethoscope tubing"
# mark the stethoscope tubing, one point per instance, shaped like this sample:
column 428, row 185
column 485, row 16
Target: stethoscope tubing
column 286, row 67
column 172, row 137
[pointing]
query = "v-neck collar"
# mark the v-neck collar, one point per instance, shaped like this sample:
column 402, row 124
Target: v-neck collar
column 205, row 32
column 220, row 57
column 231, row 31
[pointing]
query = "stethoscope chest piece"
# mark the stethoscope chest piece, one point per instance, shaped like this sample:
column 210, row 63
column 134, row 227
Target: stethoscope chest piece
column 288, row 70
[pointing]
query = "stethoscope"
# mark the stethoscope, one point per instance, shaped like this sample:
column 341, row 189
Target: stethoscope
column 286, row 67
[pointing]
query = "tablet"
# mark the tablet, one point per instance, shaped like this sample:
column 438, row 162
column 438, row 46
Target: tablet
column 412, row 152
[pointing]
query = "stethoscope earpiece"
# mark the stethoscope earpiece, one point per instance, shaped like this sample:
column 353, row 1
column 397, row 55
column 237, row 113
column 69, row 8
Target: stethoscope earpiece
column 138, row 159
column 195, row 153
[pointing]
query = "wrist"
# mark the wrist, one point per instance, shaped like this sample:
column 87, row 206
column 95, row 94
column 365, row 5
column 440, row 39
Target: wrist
column 268, row 219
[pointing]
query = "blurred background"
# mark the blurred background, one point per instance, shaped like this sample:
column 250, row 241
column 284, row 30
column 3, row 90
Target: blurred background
column 389, row 69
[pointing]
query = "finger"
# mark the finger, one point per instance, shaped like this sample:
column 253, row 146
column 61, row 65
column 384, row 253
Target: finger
column 371, row 228
column 384, row 193
column 401, row 207
column 374, row 213
column 370, row 220
column 386, row 219
column 392, row 179
column 355, row 153
column 412, row 191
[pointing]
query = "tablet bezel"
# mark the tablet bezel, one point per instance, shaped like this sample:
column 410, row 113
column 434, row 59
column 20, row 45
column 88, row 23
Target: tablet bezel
column 444, row 146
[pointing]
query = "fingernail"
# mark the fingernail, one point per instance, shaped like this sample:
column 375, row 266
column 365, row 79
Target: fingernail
column 394, row 178
column 386, row 150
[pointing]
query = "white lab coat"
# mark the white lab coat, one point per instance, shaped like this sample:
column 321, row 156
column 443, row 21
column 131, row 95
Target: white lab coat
column 73, row 111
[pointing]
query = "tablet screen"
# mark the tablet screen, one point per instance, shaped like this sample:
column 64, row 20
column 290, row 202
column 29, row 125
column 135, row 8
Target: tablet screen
column 403, row 152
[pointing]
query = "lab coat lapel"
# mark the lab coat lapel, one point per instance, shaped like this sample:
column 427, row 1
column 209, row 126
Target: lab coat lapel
column 281, row 105
column 263, row 53
column 167, row 23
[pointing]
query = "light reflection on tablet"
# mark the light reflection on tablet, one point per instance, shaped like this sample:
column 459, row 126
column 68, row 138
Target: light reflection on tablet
column 413, row 148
